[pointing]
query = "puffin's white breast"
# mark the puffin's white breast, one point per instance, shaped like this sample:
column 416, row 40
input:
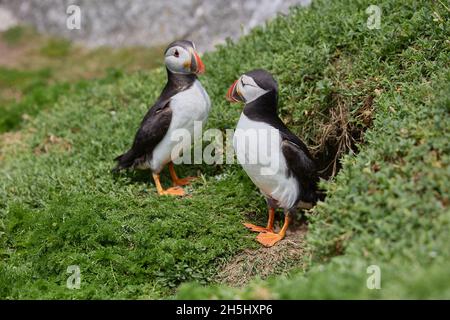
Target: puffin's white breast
column 187, row 107
column 258, row 149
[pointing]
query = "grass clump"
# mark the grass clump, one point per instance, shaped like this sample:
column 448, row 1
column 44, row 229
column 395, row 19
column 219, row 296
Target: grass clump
column 14, row 35
column 381, row 95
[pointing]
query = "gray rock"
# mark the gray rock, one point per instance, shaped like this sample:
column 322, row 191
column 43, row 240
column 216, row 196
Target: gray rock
column 7, row 19
column 149, row 23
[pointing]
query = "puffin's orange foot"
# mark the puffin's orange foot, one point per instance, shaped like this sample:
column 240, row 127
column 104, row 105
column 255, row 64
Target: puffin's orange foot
column 183, row 181
column 175, row 191
column 256, row 228
column 269, row 239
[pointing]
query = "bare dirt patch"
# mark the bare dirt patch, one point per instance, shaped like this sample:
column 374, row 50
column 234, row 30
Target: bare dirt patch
column 12, row 56
column 11, row 142
column 264, row 262
column 53, row 142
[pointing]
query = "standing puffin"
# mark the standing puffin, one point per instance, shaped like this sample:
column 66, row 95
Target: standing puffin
column 182, row 102
column 289, row 177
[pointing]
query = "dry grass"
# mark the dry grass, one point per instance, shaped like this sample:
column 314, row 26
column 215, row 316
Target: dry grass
column 264, row 262
column 12, row 142
column 343, row 132
column 53, row 142
column 347, row 118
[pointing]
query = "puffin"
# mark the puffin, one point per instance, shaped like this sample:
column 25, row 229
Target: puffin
column 182, row 102
column 274, row 158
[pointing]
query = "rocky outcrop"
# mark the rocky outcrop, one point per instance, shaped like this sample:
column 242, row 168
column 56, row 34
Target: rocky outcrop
column 149, row 23
column 7, row 19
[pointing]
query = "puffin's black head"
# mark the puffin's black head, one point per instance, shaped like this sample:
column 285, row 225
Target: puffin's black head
column 182, row 58
column 252, row 85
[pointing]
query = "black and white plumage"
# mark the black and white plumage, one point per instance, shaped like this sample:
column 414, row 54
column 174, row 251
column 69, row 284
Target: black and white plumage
column 292, row 178
column 182, row 102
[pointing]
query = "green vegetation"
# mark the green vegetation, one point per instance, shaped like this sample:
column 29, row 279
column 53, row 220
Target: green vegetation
column 388, row 205
column 56, row 48
column 14, row 35
column 36, row 70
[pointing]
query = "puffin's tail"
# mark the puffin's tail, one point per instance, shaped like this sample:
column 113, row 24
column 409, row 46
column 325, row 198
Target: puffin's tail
column 124, row 161
column 312, row 193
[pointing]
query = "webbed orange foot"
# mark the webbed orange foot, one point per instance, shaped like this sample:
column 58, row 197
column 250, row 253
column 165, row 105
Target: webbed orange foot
column 269, row 239
column 183, row 181
column 256, row 228
column 175, row 191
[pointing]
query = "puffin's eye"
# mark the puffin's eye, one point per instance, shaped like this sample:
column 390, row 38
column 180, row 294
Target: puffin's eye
column 176, row 53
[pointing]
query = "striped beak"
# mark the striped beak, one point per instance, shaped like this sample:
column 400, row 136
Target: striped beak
column 197, row 65
column 233, row 94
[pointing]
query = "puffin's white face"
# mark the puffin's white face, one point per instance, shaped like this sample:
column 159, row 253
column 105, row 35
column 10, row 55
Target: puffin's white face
column 183, row 61
column 245, row 89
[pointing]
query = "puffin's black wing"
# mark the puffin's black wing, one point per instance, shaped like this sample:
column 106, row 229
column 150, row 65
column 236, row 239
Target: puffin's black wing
column 153, row 128
column 302, row 162
column 302, row 166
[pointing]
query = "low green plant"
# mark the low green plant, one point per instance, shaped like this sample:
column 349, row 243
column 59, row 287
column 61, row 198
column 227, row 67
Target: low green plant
column 14, row 35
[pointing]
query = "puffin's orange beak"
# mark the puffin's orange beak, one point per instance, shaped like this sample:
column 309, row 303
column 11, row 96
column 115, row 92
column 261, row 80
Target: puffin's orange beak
column 197, row 64
column 232, row 94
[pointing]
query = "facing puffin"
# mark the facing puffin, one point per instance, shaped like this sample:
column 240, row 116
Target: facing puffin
column 276, row 160
column 182, row 102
